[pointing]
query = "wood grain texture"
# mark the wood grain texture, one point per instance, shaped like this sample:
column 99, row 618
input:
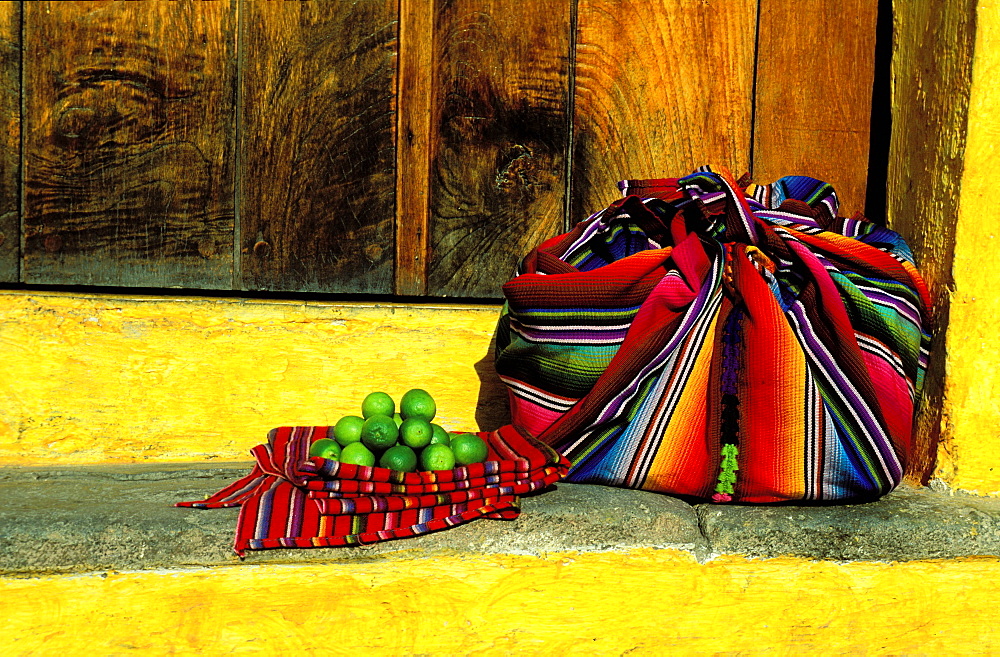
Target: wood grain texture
column 500, row 134
column 129, row 121
column 413, row 145
column 10, row 141
column 662, row 87
column 815, row 66
column 932, row 80
column 318, row 115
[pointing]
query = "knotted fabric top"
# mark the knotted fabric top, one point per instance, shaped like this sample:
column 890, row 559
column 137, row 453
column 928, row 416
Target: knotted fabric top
column 720, row 340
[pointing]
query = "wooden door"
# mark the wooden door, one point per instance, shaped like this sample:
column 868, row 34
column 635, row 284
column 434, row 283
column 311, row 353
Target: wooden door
column 394, row 146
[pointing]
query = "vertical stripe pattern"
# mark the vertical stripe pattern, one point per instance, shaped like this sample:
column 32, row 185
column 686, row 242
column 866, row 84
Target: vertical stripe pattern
column 617, row 339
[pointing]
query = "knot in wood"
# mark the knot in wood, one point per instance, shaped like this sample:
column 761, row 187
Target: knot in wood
column 262, row 249
column 518, row 172
column 53, row 243
column 75, row 122
column 207, row 248
column 374, row 252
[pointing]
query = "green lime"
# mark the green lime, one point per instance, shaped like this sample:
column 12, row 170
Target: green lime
column 440, row 435
column 399, row 457
column 378, row 403
column 468, row 448
column 398, row 419
column 357, row 454
column 379, row 432
column 348, row 429
column 415, row 433
column 418, row 404
column 326, row 448
column 437, row 457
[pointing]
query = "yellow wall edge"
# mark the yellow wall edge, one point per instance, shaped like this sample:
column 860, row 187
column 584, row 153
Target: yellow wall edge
column 96, row 378
column 967, row 458
column 642, row 602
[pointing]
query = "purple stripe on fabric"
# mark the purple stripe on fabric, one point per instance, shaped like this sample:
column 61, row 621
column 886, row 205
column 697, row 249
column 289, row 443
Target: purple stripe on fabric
column 588, row 233
column 788, row 219
column 264, row 509
column 296, row 502
column 681, row 364
column 746, row 217
column 843, row 387
column 710, row 289
column 245, row 492
column 575, row 338
column 901, row 306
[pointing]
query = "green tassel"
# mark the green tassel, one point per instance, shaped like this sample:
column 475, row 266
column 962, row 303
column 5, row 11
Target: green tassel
column 728, row 466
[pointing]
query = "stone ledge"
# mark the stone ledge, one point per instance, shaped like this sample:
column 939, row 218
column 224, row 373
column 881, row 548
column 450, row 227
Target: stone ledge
column 907, row 524
column 94, row 518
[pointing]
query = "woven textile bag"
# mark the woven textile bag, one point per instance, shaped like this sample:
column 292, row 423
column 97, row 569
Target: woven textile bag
column 722, row 340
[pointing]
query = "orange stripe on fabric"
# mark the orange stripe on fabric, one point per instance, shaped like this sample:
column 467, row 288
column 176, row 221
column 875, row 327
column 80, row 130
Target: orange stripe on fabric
column 685, row 461
column 771, row 393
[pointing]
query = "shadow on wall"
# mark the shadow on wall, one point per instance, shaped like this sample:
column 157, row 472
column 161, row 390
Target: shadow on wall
column 492, row 405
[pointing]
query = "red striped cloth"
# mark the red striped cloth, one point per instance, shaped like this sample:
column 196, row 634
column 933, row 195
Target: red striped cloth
column 291, row 499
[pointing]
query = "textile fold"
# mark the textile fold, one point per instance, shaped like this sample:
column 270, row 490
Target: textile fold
column 291, row 499
column 713, row 338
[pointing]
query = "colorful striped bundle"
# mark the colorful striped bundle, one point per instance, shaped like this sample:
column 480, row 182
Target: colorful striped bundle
column 720, row 340
column 291, row 499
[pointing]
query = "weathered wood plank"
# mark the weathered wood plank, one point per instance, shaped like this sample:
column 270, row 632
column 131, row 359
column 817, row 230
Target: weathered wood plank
column 932, row 81
column 317, row 193
column 413, row 145
column 662, row 87
column 128, row 127
column 815, row 66
column 10, row 140
column 500, row 131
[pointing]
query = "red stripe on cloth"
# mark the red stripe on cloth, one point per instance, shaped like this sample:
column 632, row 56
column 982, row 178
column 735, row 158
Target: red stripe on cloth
column 353, row 488
column 369, row 504
column 283, row 504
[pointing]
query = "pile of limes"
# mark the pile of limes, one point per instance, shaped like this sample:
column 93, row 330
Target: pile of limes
column 399, row 441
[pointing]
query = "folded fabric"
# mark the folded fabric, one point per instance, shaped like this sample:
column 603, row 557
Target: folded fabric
column 354, row 488
column 718, row 339
column 383, row 503
column 291, row 499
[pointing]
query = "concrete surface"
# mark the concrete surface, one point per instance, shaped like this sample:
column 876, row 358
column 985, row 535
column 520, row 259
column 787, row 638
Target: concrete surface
column 907, row 524
column 94, row 518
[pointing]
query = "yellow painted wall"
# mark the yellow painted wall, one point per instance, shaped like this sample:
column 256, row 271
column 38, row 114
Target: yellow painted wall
column 969, row 456
column 89, row 378
column 647, row 602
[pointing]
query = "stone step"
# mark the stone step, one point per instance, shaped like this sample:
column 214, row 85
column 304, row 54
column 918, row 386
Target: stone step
column 122, row 518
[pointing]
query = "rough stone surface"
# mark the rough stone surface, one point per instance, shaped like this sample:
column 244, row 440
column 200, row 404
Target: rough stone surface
column 122, row 518
column 85, row 519
column 907, row 524
column 111, row 518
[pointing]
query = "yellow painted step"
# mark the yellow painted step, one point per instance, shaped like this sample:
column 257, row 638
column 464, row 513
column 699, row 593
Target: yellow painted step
column 644, row 602
column 96, row 378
